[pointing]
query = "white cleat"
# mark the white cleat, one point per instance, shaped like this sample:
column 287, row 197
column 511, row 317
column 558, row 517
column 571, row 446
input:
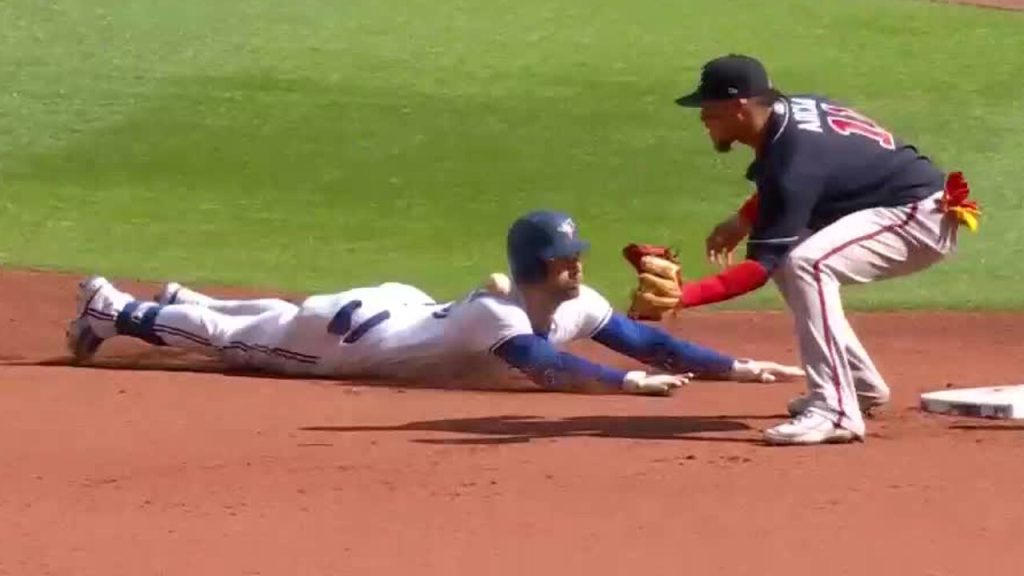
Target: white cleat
column 811, row 427
column 169, row 294
column 97, row 306
column 801, row 404
column 176, row 293
column 82, row 342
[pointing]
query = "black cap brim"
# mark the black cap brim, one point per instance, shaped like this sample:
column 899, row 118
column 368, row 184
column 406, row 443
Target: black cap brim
column 691, row 100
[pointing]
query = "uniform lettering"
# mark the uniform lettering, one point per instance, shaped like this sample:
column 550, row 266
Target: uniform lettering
column 341, row 323
column 805, row 112
column 847, row 121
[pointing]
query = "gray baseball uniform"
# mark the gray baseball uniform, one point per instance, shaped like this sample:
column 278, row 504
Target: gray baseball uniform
column 841, row 201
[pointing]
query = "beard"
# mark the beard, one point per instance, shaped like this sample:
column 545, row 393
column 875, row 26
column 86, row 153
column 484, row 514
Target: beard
column 723, row 146
column 565, row 293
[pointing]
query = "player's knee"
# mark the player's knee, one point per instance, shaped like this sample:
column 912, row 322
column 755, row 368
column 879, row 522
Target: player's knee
column 799, row 263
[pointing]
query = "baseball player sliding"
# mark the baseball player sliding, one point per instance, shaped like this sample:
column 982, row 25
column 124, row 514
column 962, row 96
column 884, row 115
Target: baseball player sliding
column 839, row 200
column 397, row 331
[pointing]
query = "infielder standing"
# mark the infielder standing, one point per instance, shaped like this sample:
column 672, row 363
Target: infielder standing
column 397, row 331
column 839, row 200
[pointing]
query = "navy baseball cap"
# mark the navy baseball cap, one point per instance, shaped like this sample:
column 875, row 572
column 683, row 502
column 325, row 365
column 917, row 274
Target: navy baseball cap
column 729, row 77
column 540, row 236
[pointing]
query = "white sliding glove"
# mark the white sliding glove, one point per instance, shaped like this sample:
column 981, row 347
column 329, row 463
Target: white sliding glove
column 640, row 382
column 766, row 372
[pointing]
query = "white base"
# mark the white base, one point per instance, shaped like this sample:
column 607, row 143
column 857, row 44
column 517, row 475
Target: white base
column 998, row 402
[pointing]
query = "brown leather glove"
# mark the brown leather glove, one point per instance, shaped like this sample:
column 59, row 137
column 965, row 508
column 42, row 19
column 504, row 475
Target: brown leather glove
column 658, row 281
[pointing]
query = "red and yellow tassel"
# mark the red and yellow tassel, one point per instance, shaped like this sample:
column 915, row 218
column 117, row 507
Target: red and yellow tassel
column 955, row 201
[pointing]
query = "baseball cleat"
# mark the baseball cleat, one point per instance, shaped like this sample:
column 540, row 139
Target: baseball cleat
column 82, row 342
column 169, row 294
column 811, row 427
column 176, row 293
column 97, row 306
column 800, row 404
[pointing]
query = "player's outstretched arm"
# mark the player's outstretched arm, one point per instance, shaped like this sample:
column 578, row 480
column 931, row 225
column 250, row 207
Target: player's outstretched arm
column 659, row 349
column 557, row 370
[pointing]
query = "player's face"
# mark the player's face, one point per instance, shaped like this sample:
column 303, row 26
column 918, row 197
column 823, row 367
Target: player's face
column 565, row 276
column 723, row 121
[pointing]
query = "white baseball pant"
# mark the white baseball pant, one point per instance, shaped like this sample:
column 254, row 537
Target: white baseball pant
column 866, row 246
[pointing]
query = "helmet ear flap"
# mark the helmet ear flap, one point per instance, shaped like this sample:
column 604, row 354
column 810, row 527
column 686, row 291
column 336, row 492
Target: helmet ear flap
column 526, row 270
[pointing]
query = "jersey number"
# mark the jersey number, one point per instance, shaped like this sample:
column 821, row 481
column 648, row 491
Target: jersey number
column 845, row 121
column 341, row 324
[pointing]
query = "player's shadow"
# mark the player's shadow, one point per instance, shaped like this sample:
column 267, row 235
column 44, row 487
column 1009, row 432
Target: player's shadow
column 162, row 360
column 157, row 361
column 512, row 429
column 181, row 361
column 170, row 360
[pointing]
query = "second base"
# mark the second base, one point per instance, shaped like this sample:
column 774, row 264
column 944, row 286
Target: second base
column 998, row 402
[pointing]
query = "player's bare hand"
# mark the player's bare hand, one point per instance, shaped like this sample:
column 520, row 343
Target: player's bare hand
column 724, row 239
column 640, row 382
column 766, row 372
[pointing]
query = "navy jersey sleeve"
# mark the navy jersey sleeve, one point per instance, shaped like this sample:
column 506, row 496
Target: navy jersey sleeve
column 787, row 197
column 657, row 348
column 554, row 369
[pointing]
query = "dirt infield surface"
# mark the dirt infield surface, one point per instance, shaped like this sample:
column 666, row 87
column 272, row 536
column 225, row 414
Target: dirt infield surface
column 131, row 471
column 1000, row 4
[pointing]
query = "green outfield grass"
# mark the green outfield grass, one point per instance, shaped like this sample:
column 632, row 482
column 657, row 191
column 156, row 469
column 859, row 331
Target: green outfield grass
column 313, row 145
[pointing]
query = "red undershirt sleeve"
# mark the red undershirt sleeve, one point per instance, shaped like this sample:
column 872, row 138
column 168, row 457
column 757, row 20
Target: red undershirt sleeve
column 734, row 281
column 748, row 212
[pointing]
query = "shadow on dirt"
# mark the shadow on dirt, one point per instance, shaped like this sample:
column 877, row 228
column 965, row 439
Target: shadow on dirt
column 511, row 429
column 167, row 360
column 162, row 360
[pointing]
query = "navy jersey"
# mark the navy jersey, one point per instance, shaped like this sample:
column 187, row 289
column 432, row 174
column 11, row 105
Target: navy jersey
column 821, row 161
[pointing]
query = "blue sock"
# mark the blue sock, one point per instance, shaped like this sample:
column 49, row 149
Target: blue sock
column 138, row 319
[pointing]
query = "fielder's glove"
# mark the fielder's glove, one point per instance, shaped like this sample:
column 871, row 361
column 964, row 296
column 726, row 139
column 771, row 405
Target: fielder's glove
column 658, row 282
column 640, row 382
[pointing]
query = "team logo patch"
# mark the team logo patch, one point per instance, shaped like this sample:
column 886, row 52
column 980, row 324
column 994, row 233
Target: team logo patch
column 568, row 228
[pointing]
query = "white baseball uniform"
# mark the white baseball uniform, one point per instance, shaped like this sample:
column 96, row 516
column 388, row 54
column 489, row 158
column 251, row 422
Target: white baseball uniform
column 390, row 330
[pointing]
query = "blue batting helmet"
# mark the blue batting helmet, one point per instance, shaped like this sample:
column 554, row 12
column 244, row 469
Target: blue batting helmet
column 538, row 237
